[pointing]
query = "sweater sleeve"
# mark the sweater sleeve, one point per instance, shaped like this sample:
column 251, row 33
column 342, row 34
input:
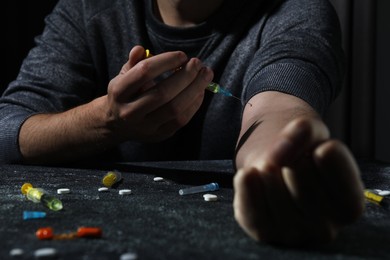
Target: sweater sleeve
column 56, row 75
column 299, row 54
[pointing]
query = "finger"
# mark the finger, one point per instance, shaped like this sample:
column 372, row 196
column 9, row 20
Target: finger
column 169, row 128
column 186, row 103
column 295, row 206
column 136, row 54
column 297, row 139
column 305, row 186
column 145, row 71
column 289, row 228
column 250, row 205
column 169, row 88
column 341, row 176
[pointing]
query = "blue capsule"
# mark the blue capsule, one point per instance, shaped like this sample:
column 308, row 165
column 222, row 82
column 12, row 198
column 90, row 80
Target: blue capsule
column 33, row 214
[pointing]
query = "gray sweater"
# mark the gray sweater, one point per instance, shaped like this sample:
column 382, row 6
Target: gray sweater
column 291, row 46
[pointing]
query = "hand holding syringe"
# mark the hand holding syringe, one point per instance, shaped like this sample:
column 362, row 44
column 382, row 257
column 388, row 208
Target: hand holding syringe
column 213, row 87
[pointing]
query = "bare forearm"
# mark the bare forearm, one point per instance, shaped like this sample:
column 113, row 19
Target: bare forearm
column 262, row 125
column 66, row 136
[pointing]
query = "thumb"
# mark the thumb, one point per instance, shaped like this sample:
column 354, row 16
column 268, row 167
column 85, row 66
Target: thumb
column 136, row 54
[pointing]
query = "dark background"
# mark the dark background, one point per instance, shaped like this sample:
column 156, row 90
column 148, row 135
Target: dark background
column 24, row 19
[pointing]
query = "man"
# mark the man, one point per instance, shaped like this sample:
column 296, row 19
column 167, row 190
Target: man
column 294, row 184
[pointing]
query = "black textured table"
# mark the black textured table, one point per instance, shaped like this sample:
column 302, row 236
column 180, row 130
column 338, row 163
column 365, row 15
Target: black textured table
column 155, row 222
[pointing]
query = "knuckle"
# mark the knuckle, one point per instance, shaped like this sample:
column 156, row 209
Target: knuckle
column 180, row 56
column 114, row 92
column 304, row 124
column 143, row 70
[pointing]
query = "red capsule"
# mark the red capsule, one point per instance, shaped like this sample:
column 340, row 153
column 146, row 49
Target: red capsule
column 92, row 232
column 44, row 233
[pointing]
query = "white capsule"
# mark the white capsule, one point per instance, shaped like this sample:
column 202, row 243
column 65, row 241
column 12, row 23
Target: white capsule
column 210, row 197
column 103, row 189
column 157, row 179
column 384, row 193
column 16, row 252
column 63, row 191
column 129, row 256
column 124, row 192
column 45, row 253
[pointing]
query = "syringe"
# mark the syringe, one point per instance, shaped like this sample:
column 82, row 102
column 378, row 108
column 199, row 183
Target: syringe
column 37, row 195
column 197, row 189
column 215, row 88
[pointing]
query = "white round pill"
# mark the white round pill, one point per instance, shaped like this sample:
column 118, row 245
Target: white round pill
column 45, row 253
column 384, row 193
column 210, row 197
column 63, row 191
column 128, row 256
column 158, row 179
column 103, row 189
column 16, row 252
column 124, row 192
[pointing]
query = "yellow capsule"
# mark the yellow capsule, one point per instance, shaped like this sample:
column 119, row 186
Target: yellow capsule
column 26, row 187
column 147, row 54
column 111, row 178
column 372, row 196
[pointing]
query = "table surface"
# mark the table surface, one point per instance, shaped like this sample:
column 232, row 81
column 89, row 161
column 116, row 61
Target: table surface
column 155, row 222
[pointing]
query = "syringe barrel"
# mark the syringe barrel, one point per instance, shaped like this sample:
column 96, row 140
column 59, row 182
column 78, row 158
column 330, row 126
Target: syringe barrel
column 35, row 194
column 197, row 189
column 51, row 202
column 213, row 87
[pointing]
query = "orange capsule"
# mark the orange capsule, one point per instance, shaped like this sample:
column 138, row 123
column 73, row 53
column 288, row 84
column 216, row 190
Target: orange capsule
column 91, row 232
column 44, row 233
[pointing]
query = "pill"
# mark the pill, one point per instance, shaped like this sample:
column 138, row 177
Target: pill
column 124, row 192
column 370, row 195
column 128, row 256
column 16, row 252
column 157, row 179
column 63, row 191
column 92, row 232
column 45, row 253
column 111, row 178
column 44, row 233
column 384, row 192
column 210, row 197
column 103, row 189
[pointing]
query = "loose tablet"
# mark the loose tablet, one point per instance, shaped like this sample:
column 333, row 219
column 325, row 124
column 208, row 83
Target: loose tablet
column 124, row 192
column 16, row 252
column 210, row 197
column 103, row 189
column 45, row 253
column 157, row 179
column 384, row 192
column 128, row 256
column 63, row 191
